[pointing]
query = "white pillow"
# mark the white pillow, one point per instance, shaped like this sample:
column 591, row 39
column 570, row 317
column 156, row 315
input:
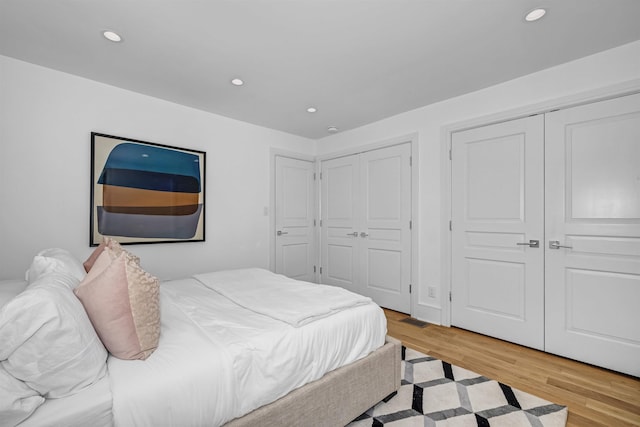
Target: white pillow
column 17, row 400
column 9, row 289
column 55, row 260
column 48, row 341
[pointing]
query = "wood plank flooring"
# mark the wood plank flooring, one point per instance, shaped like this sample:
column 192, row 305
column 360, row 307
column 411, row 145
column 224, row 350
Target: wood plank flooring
column 594, row 396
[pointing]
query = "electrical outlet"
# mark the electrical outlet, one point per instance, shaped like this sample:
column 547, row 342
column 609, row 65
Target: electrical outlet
column 431, row 291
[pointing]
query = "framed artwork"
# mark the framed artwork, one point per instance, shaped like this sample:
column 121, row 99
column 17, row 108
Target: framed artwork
column 143, row 192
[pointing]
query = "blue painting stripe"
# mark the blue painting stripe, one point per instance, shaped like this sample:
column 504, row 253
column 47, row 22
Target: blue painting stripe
column 153, row 159
column 149, row 180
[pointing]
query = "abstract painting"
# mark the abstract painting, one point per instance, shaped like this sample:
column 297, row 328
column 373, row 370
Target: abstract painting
column 143, row 192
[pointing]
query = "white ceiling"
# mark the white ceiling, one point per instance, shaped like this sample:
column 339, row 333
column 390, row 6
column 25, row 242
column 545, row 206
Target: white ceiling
column 356, row 61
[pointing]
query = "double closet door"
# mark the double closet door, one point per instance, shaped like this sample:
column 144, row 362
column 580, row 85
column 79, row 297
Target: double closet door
column 365, row 228
column 546, row 232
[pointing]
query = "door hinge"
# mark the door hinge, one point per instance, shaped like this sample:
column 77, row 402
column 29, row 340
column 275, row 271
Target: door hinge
column 314, row 269
column 450, row 154
column 320, row 270
column 450, row 225
column 410, row 288
column 410, row 224
column 320, row 175
column 314, row 222
column 410, row 160
column 314, row 176
column 320, row 223
column 450, row 298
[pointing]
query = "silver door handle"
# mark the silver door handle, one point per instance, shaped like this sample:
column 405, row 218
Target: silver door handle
column 555, row 244
column 280, row 233
column 354, row 234
column 363, row 234
column 531, row 243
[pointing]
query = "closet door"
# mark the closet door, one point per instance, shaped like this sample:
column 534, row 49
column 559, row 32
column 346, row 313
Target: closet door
column 385, row 234
column 593, row 233
column 340, row 199
column 294, row 212
column 365, row 231
column 497, row 218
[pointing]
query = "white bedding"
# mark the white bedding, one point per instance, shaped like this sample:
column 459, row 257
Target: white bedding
column 90, row 407
column 10, row 288
column 217, row 361
column 279, row 297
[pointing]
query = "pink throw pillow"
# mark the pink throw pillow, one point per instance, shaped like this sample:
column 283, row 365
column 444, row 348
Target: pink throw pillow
column 107, row 242
column 122, row 301
column 94, row 256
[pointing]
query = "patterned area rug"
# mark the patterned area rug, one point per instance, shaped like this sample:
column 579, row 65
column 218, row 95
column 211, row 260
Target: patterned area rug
column 437, row 394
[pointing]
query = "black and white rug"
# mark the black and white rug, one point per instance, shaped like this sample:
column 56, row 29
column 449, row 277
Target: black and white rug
column 437, row 394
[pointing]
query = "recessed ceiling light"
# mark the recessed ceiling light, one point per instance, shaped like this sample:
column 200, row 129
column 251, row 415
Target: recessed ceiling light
column 312, row 110
column 110, row 35
column 237, row 82
column 332, row 129
column 534, row 15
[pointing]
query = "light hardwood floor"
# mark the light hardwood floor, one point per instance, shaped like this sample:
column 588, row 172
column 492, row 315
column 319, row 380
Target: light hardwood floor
column 594, row 396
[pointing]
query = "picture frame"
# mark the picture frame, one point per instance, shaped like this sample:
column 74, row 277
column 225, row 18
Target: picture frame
column 144, row 192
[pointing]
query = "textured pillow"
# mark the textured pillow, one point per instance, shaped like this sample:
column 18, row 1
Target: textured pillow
column 107, row 242
column 117, row 249
column 48, row 341
column 17, row 400
column 55, row 260
column 122, row 301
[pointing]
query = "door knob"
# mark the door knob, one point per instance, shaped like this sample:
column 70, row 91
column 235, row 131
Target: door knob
column 363, row 234
column 531, row 243
column 555, row 244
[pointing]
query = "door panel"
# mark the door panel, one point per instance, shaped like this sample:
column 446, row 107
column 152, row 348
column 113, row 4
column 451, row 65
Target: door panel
column 492, row 164
column 340, row 210
column 385, row 236
column 593, row 211
column 488, row 278
column 497, row 207
column 294, row 212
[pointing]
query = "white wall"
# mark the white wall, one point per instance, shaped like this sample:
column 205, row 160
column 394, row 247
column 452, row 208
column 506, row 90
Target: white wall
column 46, row 118
column 608, row 68
column 45, row 122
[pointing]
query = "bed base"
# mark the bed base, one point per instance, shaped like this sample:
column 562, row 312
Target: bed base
column 337, row 398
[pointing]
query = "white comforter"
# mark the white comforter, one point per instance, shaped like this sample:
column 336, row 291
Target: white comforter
column 217, row 361
column 279, row 297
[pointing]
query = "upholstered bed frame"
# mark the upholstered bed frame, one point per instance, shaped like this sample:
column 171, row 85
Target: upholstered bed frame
column 338, row 397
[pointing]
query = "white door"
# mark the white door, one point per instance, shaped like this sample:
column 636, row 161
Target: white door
column 365, row 233
column 593, row 213
column 294, row 218
column 497, row 216
column 340, row 200
column 385, row 234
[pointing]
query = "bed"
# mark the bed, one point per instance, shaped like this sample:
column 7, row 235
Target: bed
column 238, row 347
